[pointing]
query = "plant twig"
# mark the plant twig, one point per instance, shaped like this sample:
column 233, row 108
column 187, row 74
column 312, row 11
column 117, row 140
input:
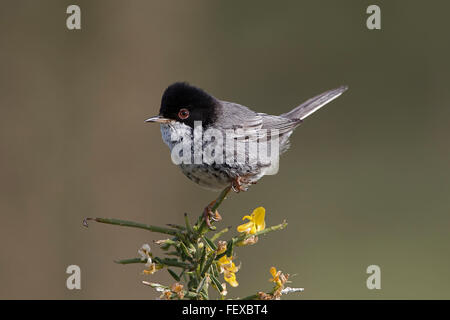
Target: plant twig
column 217, row 235
column 126, row 223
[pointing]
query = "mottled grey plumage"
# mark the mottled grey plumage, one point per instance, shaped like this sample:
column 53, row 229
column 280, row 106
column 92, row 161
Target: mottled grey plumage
column 222, row 115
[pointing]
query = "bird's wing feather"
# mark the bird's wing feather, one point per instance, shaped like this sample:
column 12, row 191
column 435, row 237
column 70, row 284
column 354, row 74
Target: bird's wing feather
column 312, row 105
column 234, row 116
column 283, row 125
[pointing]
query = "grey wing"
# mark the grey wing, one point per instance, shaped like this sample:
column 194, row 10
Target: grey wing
column 281, row 124
column 280, row 127
column 245, row 125
column 236, row 116
column 255, row 126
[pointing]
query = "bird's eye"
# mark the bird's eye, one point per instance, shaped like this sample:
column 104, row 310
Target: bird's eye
column 183, row 114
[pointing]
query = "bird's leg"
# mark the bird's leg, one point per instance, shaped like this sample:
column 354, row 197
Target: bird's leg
column 241, row 184
column 209, row 214
column 236, row 185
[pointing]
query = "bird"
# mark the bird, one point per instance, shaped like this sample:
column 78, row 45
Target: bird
column 186, row 108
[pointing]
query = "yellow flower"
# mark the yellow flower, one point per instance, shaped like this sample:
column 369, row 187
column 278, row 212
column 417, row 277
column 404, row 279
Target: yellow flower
column 278, row 277
column 230, row 277
column 275, row 276
column 151, row 268
column 256, row 222
column 229, row 269
column 227, row 264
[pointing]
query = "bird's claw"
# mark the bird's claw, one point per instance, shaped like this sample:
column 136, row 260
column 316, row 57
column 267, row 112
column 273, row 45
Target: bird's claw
column 241, row 184
column 236, row 185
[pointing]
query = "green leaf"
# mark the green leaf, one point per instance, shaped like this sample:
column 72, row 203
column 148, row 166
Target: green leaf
column 208, row 263
column 202, row 259
column 183, row 274
column 185, row 250
column 215, row 270
column 129, row 261
column 172, row 263
column 188, row 224
column 210, row 243
column 217, row 283
column 202, row 284
column 165, row 246
column 230, row 246
column 173, row 274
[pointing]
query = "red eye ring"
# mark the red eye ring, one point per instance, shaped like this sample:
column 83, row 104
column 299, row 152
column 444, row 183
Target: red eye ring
column 183, row 114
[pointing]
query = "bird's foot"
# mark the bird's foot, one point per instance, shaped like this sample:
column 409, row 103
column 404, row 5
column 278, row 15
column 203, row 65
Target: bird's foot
column 209, row 215
column 241, row 184
column 236, row 185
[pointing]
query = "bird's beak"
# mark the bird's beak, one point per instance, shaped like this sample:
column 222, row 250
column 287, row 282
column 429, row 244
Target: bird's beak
column 158, row 119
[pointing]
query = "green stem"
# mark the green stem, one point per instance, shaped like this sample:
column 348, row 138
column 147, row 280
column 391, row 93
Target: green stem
column 165, row 262
column 217, row 235
column 132, row 224
column 220, row 198
column 176, row 226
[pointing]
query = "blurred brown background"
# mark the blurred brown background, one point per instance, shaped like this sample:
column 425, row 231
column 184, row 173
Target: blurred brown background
column 365, row 182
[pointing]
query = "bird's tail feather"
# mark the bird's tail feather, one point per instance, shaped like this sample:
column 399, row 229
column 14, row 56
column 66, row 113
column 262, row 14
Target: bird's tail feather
column 314, row 104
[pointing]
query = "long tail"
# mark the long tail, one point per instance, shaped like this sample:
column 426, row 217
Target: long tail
column 314, row 104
